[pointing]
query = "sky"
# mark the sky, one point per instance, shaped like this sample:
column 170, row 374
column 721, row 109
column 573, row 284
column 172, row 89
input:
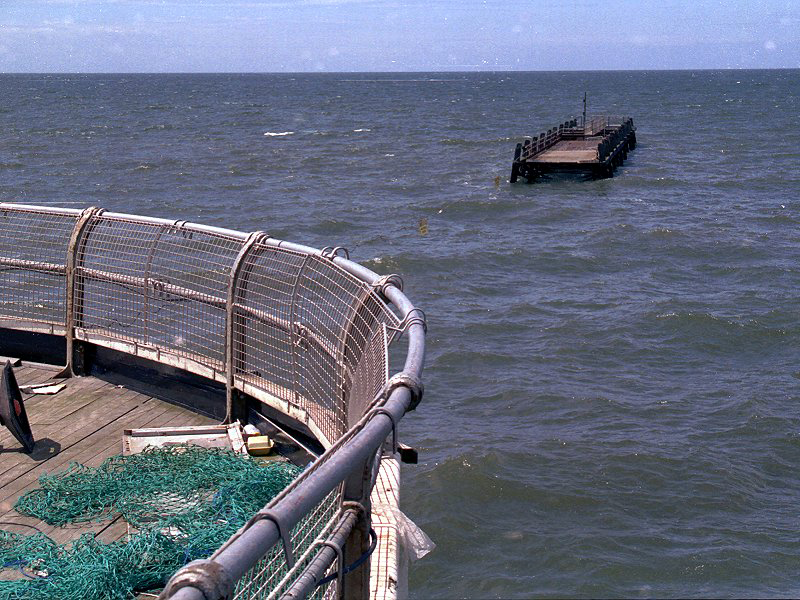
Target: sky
column 116, row 36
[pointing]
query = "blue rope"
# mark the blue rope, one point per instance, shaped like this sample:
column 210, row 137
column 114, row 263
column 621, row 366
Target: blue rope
column 359, row 561
column 20, row 565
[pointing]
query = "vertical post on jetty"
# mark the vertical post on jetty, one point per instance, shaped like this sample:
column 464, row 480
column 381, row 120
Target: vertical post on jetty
column 76, row 355
column 357, row 491
column 584, row 111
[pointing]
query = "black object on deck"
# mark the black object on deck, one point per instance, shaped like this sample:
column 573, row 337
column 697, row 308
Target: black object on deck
column 12, row 409
column 597, row 147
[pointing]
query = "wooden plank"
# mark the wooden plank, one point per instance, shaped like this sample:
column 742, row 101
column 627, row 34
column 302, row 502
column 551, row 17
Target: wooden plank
column 57, row 437
column 83, row 423
column 168, row 414
column 56, row 402
column 569, row 151
column 215, row 429
column 89, row 450
column 118, row 528
column 71, row 436
column 567, row 156
column 24, row 475
column 113, row 530
column 58, row 408
column 84, row 448
column 92, row 450
column 26, row 375
column 29, row 480
column 171, row 416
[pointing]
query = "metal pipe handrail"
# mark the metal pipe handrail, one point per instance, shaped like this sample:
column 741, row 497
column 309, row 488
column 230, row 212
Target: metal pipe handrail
column 331, row 550
column 32, row 265
column 251, row 543
column 262, row 535
column 346, row 456
column 32, row 208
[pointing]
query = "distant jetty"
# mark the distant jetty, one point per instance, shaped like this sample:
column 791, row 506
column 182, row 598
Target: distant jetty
column 595, row 147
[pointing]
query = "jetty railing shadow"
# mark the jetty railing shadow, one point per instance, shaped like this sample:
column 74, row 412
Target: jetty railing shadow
column 301, row 331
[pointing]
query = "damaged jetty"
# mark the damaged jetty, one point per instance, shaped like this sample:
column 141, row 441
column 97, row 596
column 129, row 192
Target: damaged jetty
column 595, row 147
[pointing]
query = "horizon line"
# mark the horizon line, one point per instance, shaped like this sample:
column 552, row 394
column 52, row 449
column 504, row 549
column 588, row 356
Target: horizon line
column 476, row 71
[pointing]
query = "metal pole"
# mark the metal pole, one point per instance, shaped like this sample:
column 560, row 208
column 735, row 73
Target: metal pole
column 236, row 279
column 74, row 303
column 584, row 113
column 305, row 583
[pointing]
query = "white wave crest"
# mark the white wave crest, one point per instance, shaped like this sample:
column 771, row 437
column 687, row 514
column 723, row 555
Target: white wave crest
column 278, row 134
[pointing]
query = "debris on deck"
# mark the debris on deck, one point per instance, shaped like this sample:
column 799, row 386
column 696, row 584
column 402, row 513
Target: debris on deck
column 46, row 389
column 260, row 445
column 208, row 436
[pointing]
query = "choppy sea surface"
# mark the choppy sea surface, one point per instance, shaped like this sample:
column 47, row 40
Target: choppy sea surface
column 613, row 378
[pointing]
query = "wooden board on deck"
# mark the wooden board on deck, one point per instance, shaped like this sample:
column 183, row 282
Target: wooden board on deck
column 569, row 151
column 82, row 423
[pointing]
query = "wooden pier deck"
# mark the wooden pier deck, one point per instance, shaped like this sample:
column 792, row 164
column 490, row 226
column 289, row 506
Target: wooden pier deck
column 81, row 423
column 596, row 148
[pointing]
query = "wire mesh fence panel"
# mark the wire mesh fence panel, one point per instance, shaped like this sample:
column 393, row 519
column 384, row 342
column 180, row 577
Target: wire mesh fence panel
column 328, row 591
column 324, row 592
column 315, row 526
column 110, row 291
column 339, row 313
column 369, row 376
column 257, row 583
column 188, row 308
column 156, row 284
column 301, row 329
column 33, row 252
column 270, row 577
column 265, row 326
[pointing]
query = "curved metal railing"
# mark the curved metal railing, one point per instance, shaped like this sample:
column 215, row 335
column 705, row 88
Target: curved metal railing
column 303, row 331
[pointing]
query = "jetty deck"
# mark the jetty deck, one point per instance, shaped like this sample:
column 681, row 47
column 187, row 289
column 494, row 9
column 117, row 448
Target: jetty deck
column 81, row 423
column 596, row 147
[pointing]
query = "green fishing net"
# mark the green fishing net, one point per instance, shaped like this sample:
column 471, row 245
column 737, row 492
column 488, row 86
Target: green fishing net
column 181, row 503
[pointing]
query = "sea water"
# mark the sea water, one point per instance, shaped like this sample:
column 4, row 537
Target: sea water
column 613, row 371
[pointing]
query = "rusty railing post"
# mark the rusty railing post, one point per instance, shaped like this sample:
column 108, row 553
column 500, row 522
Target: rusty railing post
column 233, row 405
column 72, row 320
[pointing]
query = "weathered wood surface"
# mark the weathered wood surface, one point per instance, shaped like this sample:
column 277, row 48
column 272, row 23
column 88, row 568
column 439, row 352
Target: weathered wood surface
column 570, row 151
column 82, row 423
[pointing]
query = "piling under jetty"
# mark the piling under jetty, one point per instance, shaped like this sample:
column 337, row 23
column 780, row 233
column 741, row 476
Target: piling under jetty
column 595, row 147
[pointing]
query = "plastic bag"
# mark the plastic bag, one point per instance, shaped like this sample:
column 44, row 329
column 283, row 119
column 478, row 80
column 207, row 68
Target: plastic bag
column 415, row 541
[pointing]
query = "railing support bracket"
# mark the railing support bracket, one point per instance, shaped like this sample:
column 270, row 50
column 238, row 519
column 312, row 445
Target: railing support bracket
column 206, row 576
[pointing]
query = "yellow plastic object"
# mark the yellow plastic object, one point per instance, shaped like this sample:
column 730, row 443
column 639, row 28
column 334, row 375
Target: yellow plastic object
column 259, row 445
